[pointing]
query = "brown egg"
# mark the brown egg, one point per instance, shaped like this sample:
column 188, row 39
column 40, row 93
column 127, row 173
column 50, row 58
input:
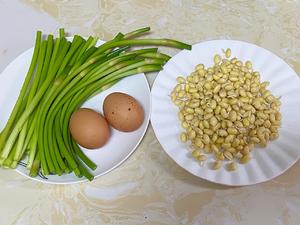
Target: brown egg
column 123, row 112
column 89, row 128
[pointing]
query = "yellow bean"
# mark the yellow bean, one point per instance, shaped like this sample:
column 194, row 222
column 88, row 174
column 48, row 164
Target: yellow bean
column 196, row 95
column 252, row 119
column 228, row 53
column 213, row 104
column 192, row 134
column 232, row 130
column 180, row 116
column 243, row 93
column 183, row 137
column 217, row 88
column 232, row 150
column 213, row 121
column 209, row 111
column 244, row 99
column 233, row 116
column 238, row 155
column 231, row 166
column 233, row 101
column 205, row 124
column 187, row 87
column 196, row 153
column 246, row 149
column 206, row 139
column 201, row 126
column 189, row 110
column 216, row 165
column 217, row 110
column 248, row 64
column 224, row 113
column 272, row 118
column 199, row 143
column 226, row 145
column 267, row 136
column 274, row 129
column 255, row 140
column 178, row 88
column 181, row 94
column 223, row 133
column 245, row 159
column 235, row 107
column 220, row 156
column 221, row 81
column 214, row 148
column 189, row 117
column 217, row 59
column 277, row 123
column 207, row 148
column 193, row 90
column 199, row 111
column 233, row 60
column 177, row 102
column 195, row 79
column 202, row 158
column 228, row 155
column 198, row 130
column 200, row 67
column 208, row 116
column 222, row 93
column 235, row 142
column 192, row 85
column 274, row 136
column 229, row 138
column 229, row 123
column 214, row 137
column 190, row 78
column 220, row 140
column 184, row 124
column 194, row 104
column 228, row 87
column 233, row 79
column 180, row 80
column 208, row 131
column 216, row 77
column 246, row 122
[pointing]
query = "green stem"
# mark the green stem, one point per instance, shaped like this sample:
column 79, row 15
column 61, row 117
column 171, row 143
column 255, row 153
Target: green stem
column 35, row 166
column 6, row 131
column 61, row 32
column 77, row 41
column 156, row 56
column 32, row 153
column 20, row 142
column 136, row 33
column 9, row 160
column 138, row 42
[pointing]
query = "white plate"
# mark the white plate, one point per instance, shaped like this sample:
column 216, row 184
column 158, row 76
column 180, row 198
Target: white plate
column 266, row 163
column 120, row 146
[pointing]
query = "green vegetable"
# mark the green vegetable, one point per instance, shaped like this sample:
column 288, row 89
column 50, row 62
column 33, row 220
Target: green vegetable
column 61, row 77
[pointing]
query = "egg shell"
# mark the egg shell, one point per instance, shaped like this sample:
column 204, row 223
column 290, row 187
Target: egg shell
column 123, row 112
column 89, row 128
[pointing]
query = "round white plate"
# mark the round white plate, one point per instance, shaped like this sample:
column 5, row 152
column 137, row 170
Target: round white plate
column 266, row 163
column 120, row 145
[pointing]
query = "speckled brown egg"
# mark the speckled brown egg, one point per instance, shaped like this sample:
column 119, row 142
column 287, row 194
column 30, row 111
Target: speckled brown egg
column 123, row 112
column 89, row 128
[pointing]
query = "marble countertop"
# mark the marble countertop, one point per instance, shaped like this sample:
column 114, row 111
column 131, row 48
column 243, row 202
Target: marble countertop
column 149, row 188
